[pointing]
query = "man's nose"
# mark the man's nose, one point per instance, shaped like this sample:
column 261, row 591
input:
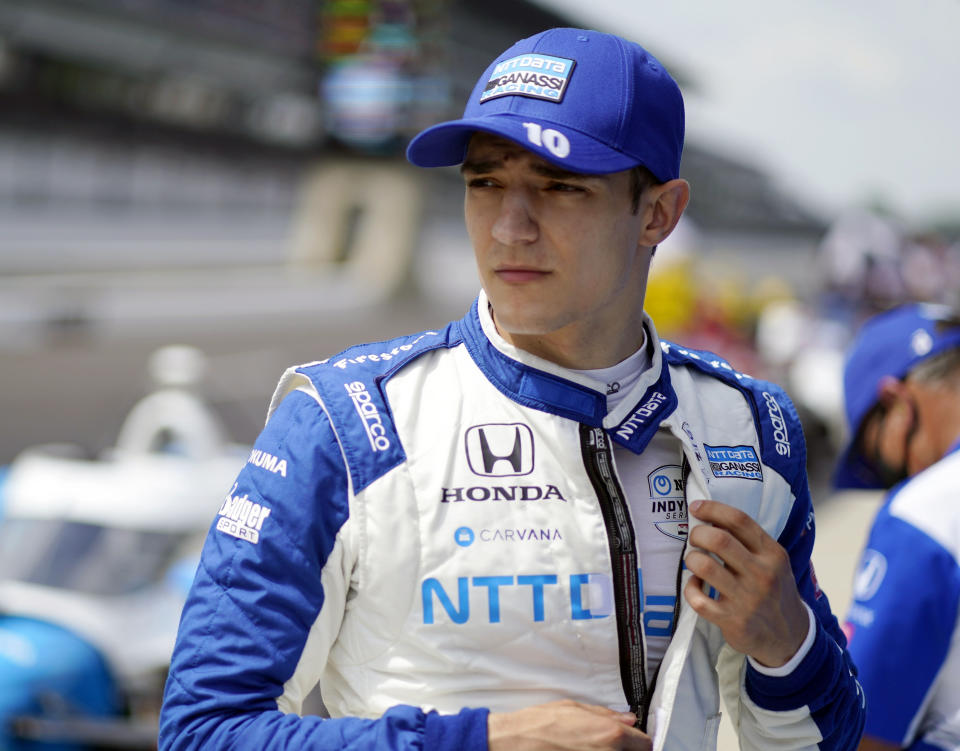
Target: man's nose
column 516, row 223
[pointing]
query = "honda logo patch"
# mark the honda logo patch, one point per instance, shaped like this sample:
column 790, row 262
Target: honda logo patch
column 500, row 449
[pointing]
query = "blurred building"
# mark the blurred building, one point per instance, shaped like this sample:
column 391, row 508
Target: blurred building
column 207, row 171
column 155, row 133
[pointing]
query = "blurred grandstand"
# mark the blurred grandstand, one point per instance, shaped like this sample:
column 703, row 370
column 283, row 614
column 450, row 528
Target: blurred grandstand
column 229, row 174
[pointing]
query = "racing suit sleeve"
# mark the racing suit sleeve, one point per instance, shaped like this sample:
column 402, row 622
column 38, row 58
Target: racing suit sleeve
column 901, row 623
column 823, row 687
column 275, row 570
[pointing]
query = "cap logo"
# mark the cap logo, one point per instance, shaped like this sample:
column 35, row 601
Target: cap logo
column 921, row 342
column 552, row 140
column 533, row 75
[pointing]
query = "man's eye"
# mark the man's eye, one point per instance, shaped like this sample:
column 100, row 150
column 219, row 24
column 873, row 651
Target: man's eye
column 480, row 182
column 565, row 188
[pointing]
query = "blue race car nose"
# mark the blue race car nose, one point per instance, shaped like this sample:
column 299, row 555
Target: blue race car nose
column 49, row 672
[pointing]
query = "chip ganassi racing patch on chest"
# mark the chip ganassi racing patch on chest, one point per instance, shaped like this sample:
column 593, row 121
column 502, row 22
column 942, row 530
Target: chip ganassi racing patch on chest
column 533, row 75
column 734, row 461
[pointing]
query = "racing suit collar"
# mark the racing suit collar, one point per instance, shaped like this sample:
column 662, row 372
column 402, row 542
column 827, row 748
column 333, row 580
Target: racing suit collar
column 543, row 385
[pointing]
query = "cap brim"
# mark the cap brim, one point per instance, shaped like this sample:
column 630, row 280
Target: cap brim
column 445, row 144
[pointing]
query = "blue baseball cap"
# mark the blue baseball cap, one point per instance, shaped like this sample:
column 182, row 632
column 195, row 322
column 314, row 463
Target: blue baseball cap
column 590, row 102
column 890, row 344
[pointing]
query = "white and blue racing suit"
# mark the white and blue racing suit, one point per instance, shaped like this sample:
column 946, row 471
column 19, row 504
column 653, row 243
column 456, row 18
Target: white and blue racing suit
column 904, row 621
column 430, row 530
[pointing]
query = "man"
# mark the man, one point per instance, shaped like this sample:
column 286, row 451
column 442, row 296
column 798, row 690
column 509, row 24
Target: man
column 474, row 538
column 902, row 388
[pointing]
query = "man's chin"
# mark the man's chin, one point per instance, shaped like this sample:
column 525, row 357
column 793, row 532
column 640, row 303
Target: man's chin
column 528, row 315
column 512, row 329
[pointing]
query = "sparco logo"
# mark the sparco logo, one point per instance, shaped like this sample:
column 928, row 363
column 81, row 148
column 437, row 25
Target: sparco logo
column 640, row 415
column 500, row 449
column 372, row 423
column 780, row 434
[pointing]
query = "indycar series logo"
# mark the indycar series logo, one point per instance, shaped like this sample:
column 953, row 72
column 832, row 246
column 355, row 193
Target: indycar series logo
column 668, row 505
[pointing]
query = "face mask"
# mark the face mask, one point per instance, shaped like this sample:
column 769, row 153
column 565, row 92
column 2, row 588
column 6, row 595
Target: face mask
column 887, row 474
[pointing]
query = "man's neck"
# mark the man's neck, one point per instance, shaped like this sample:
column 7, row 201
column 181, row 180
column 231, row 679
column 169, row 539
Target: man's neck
column 576, row 348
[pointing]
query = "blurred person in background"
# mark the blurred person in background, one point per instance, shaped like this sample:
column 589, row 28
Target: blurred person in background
column 902, row 391
column 477, row 537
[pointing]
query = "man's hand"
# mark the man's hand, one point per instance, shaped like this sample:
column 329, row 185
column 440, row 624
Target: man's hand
column 759, row 610
column 565, row 725
column 869, row 743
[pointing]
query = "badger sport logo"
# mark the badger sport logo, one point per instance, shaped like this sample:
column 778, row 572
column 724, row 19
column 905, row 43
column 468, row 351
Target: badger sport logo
column 241, row 517
column 533, row 75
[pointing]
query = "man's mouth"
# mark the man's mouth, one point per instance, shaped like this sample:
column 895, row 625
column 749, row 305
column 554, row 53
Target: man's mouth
column 519, row 274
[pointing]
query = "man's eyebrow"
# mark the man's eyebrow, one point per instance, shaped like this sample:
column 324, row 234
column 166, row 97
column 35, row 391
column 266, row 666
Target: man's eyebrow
column 486, row 166
column 558, row 173
column 481, row 167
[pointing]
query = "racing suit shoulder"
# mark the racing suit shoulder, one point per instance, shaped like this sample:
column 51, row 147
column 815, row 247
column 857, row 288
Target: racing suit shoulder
column 826, row 672
column 350, row 387
column 382, row 358
column 273, row 574
column 779, row 430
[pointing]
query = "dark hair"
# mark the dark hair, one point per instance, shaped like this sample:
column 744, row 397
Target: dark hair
column 942, row 367
column 640, row 179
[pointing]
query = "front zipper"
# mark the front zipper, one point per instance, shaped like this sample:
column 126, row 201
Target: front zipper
column 598, row 460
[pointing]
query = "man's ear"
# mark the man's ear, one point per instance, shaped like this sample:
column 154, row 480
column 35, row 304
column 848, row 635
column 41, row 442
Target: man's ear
column 662, row 206
column 888, row 389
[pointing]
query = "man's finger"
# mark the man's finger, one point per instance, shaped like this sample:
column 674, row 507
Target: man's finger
column 711, row 571
column 735, row 521
column 721, row 543
column 628, row 718
column 702, row 604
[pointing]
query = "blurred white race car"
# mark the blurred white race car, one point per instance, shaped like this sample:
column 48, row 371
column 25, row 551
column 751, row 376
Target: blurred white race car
column 96, row 557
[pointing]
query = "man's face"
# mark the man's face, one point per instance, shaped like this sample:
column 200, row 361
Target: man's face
column 556, row 251
column 900, row 436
